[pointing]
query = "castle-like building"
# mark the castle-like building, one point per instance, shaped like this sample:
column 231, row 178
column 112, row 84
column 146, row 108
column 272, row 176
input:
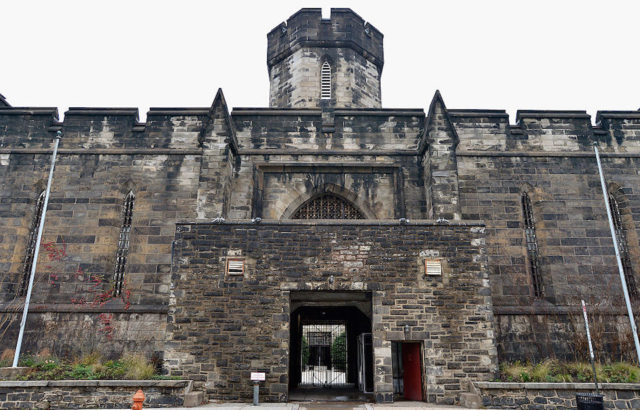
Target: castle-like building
column 429, row 245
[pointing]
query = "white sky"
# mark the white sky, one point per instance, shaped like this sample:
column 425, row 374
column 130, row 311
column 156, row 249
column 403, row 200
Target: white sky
column 511, row 55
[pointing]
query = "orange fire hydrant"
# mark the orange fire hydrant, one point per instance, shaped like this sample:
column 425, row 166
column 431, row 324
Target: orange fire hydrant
column 138, row 398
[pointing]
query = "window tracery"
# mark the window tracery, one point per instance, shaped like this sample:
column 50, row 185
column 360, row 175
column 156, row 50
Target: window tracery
column 327, row 206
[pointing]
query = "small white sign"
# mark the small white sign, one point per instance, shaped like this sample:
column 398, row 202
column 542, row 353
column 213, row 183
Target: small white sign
column 257, row 377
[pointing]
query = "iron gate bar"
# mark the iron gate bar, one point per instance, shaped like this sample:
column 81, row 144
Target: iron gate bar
column 324, row 354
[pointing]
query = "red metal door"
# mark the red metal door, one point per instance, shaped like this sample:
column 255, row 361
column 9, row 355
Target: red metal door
column 412, row 371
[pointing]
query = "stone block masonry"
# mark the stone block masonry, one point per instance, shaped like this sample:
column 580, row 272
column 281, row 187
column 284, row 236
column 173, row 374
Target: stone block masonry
column 83, row 394
column 221, row 327
column 548, row 396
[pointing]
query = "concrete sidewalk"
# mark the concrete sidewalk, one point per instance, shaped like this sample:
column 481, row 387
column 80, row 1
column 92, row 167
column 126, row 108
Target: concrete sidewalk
column 407, row 405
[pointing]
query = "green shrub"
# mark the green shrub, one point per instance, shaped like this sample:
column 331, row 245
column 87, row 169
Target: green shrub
column 91, row 359
column 89, row 367
column 515, row 372
column 620, row 373
column 80, row 372
column 555, row 371
column 27, row 361
column 339, row 352
column 137, row 367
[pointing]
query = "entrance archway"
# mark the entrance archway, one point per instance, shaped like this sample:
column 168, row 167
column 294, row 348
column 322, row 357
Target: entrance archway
column 331, row 356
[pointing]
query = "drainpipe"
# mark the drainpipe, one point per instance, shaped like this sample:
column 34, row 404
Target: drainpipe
column 36, row 251
column 615, row 245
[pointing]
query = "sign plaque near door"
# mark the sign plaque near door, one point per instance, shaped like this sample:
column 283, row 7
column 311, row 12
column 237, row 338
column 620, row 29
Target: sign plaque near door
column 257, row 376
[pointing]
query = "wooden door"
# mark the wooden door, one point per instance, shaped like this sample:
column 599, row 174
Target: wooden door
column 412, row 371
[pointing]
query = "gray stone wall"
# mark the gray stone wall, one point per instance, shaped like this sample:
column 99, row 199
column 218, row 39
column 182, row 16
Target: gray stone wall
column 451, row 315
column 298, row 48
column 549, row 156
column 555, row 395
column 286, row 159
column 83, row 394
column 104, row 154
column 295, row 81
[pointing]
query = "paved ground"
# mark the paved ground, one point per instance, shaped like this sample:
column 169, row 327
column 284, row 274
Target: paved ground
column 405, row 405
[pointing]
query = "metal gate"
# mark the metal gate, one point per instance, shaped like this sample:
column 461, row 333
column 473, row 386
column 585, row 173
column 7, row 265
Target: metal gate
column 324, row 354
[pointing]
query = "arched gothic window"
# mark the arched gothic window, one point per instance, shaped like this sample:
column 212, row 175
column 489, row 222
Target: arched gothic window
column 327, row 206
column 325, row 81
column 123, row 244
column 31, row 245
column 623, row 246
column 532, row 245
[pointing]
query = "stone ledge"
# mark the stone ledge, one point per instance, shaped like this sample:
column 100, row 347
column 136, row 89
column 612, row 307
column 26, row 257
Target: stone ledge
column 555, row 386
column 104, row 151
column 341, row 222
column 558, row 154
column 78, row 309
column 96, row 383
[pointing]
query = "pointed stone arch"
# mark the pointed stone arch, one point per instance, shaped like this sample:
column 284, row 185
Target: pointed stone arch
column 329, row 190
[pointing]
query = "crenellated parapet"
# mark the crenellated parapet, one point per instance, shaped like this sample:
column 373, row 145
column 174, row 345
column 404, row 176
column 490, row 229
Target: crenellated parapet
column 343, row 29
column 544, row 131
column 325, row 63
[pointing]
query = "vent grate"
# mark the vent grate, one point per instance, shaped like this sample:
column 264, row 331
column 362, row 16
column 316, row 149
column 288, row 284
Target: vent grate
column 433, row 267
column 235, row 267
column 325, row 82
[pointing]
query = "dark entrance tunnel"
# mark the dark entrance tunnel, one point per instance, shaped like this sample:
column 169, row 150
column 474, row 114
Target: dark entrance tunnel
column 337, row 319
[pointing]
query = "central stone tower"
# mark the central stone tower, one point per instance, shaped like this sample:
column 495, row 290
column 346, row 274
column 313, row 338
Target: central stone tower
column 330, row 63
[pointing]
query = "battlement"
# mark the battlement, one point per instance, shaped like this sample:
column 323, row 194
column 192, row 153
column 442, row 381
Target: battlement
column 343, row 29
column 547, row 131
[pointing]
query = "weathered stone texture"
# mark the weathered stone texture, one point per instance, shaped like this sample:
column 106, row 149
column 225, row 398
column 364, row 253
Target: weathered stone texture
column 298, row 48
column 281, row 167
column 83, row 394
column 205, row 164
column 102, row 157
column 222, row 327
column 576, row 255
column 548, row 396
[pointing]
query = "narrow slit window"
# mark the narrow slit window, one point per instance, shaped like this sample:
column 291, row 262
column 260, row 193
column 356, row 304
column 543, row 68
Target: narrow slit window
column 325, row 82
column 532, row 245
column 31, row 245
column 623, row 247
column 123, row 244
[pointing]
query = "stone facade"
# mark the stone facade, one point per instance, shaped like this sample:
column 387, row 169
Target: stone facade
column 298, row 47
column 83, row 394
column 249, row 329
column 550, row 396
column 419, row 181
column 550, row 156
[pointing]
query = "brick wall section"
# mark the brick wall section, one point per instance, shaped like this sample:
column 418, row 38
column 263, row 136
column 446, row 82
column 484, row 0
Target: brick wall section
column 221, row 328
